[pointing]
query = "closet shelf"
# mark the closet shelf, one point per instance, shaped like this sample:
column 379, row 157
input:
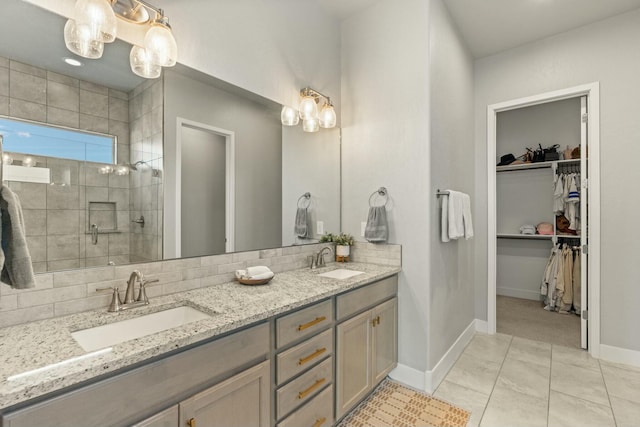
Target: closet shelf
column 539, row 165
column 533, row 236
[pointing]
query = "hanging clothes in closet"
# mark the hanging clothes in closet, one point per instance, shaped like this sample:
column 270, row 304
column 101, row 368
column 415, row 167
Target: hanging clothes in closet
column 566, row 200
column 561, row 280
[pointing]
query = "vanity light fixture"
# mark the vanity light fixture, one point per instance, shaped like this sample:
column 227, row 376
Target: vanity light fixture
column 94, row 23
column 312, row 121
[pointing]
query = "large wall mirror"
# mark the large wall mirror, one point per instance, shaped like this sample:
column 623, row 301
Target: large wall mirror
column 197, row 166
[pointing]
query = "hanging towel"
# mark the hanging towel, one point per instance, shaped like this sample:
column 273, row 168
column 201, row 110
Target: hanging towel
column 444, row 219
column 459, row 215
column 377, row 230
column 558, row 200
column 17, row 270
column 302, row 224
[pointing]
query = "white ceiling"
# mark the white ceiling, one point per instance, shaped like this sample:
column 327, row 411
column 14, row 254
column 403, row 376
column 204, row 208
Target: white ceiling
column 491, row 26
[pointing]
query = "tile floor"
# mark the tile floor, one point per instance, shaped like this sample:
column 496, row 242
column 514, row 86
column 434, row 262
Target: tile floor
column 512, row 381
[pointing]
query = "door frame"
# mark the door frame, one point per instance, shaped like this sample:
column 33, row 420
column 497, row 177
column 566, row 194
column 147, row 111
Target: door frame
column 230, row 180
column 592, row 92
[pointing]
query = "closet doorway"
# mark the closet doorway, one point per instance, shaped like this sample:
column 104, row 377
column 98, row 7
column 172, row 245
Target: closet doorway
column 205, row 183
column 543, row 245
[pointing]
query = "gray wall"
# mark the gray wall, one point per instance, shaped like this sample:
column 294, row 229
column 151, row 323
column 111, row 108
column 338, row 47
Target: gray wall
column 258, row 139
column 451, row 166
column 310, row 163
column 604, row 52
column 385, row 142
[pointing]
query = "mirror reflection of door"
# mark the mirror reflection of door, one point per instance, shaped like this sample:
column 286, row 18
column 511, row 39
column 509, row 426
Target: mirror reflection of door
column 203, row 185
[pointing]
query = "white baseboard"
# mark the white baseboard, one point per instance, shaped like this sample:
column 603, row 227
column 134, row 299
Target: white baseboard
column 619, row 355
column 430, row 380
column 518, row 293
column 409, row 376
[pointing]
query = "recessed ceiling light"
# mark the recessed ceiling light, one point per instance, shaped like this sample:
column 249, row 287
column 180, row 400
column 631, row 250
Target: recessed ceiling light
column 73, row 62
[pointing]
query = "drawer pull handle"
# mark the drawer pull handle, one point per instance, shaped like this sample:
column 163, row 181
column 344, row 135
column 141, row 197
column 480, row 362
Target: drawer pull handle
column 303, row 394
column 319, row 422
column 313, row 322
column 312, row 356
column 191, row 422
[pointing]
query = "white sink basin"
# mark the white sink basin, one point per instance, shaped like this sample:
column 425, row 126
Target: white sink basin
column 340, row 274
column 115, row 333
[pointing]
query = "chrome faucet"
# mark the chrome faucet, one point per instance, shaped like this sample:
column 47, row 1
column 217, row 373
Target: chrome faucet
column 320, row 256
column 129, row 301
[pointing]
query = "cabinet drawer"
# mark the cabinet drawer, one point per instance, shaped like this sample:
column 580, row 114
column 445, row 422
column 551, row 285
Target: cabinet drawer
column 317, row 413
column 303, row 323
column 365, row 297
column 304, row 388
column 304, row 355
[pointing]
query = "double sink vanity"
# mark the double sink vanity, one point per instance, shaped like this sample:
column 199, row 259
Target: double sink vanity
column 301, row 351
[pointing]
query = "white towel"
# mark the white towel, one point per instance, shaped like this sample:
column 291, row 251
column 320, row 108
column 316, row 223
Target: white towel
column 456, row 216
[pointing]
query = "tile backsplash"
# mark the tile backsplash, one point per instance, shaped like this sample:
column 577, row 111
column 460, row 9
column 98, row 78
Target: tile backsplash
column 67, row 292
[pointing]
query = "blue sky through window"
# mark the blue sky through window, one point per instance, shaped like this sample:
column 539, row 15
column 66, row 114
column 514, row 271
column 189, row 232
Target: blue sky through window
column 45, row 140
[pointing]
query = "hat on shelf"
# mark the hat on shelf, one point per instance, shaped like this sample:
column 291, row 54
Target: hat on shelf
column 507, row 159
column 545, row 228
column 528, row 229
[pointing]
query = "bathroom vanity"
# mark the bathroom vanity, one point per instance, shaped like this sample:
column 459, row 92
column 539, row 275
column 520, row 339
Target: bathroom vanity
column 303, row 350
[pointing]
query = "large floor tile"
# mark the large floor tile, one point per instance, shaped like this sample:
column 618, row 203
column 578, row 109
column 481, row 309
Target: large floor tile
column 570, row 411
column 579, row 382
column 626, row 413
column 623, row 383
column 510, row 408
column 525, row 378
column 465, row 398
column 489, row 347
column 476, row 374
column 530, row 351
column 575, row 357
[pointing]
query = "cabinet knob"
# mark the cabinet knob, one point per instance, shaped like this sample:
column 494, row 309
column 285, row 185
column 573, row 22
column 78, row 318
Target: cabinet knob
column 191, row 422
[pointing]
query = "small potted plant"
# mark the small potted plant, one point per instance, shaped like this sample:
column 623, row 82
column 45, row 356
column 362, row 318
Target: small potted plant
column 343, row 243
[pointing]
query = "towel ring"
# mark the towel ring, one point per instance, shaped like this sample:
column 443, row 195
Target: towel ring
column 307, row 197
column 382, row 192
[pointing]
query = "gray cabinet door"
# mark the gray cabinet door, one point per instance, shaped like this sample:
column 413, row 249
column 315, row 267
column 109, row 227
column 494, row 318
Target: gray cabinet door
column 385, row 339
column 166, row 418
column 353, row 367
column 241, row 401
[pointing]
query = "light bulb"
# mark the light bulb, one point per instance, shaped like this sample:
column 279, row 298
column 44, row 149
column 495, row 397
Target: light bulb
column 98, row 17
column 327, row 116
column 78, row 40
column 141, row 63
column 122, row 170
column 28, row 162
column 308, row 108
column 289, row 116
column 161, row 45
column 310, row 125
column 7, row 159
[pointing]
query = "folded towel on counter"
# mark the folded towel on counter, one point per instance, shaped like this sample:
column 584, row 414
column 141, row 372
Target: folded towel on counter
column 255, row 273
column 15, row 259
column 301, row 228
column 377, row 229
column 456, row 216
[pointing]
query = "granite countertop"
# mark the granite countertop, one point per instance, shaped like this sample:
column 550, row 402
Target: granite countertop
column 41, row 357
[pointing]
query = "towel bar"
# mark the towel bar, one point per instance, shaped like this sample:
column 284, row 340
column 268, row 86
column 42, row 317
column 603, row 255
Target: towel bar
column 382, row 191
column 307, row 197
column 441, row 193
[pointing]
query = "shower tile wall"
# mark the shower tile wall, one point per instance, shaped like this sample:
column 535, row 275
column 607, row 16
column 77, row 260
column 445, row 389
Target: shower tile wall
column 145, row 117
column 55, row 215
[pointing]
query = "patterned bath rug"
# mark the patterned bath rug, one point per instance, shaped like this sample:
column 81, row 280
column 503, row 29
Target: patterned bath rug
column 392, row 404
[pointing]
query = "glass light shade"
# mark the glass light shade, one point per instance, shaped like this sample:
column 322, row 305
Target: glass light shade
column 98, row 17
column 289, row 116
column 122, row 170
column 327, row 116
column 159, row 42
column 308, row 108
column 310, row 125
column 78, row 40
column 105, row 170
column 142, row 65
